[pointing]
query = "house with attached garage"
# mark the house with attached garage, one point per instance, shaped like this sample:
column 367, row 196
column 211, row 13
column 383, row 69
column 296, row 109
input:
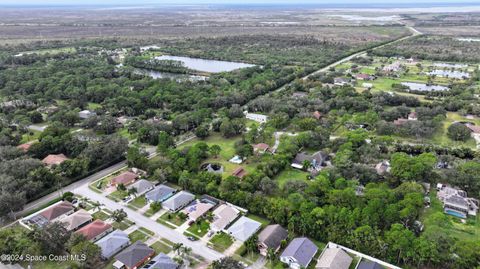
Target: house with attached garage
column 95, row 230
column 334, row 258
column 54, row 159
column 244, row 228
column 125, row 178
column 76, row 220
column 178, row 201
column 299, row 253
column 196, row 210
column 160, row 193
column 315, row 160
column 142, row 186
column 223, row 216
column 51, row 213
column 271, row 238
column 112, row 243
column 133, row 256
column 161, row 261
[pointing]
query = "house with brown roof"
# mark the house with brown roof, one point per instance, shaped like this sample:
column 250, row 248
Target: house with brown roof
column 25, row 147
column 364, row 77
column 239, row 172
column 57, row 210
column 196, row 210
column 473, row 128
column 223, row 216
column 125, row 178
column 54, row 159
column 76, row 220
column 261, row 148
column 271, row 238
column 334, row 258
column 95, row 230
column 317, row 115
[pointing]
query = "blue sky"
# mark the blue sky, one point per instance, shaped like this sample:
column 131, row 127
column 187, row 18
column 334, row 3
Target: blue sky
column 140, row 2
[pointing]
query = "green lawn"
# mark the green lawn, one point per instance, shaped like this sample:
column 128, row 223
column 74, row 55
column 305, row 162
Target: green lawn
column 31, row 135
column 290, row 174
column 118, row 195
column 161, row 247
column 173, row 218
column 227, row 144
column 138, row 235
column 93, row 106
column 121, row 225
column 161, row 221
column 200, row 228
column 221, row 241
column 101, row 215
column 139, row 202
column 147, row 231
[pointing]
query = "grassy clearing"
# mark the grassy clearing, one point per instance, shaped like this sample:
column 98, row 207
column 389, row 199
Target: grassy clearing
column 164, row 223
column 121, row 225
column 118, row 195
column 291, row 174
column 221, row 241
column 101, row 215
column 200, row 228
column 139, row 202
column 31, row 135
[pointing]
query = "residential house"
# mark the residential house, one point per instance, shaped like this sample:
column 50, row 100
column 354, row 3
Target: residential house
column 299, row 94
column 125, row 178
column 383, row 167
column 57, row 210
column 142, row 186
column 25, row 146
column 341, row 81
column 299, row 253
column 54, row 159
column 236, row 159
column 317, row 115
column 161, row 261
column 271, row 238
column 239, row 172
column 364, row 77
column 223, row 216
column 178, row 201
column 256, row 117
column 196, row 210
column 316, row 160
column 261, row 148
column 76, row 220
column 95, row 230
column 456, row 203
column 112, row 243
column 85, row 114
column 412, row 116
column 133, row 256
column 334, row 258
column 244, row 228
column 159, row 194
column 392, row 68
column 365, row 264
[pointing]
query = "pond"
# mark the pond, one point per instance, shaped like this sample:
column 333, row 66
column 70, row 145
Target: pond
column 424, row 87
column 449, row 74
column 211, row 66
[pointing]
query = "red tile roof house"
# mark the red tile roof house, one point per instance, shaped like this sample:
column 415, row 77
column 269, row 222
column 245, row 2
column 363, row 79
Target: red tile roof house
column 25, row 146
column 261, row 148
column 124, row 178
column 54, row 159
column 239, row 172
column 95, row 230
column 57, row 210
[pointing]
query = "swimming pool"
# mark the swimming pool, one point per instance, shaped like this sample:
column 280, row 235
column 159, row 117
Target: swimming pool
column 456, row 214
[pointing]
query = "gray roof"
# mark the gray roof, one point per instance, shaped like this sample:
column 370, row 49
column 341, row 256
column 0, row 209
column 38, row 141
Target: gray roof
column 112, row 243
column 178, row 200
column 302, row 249
column 334, row 258
column 369, row 265
column 272, row 236
column 319, row 158
column 457, row 201
column 141, row 185
column 244, row 228
column 162, row 261
column 134, row 254
column 160, row 193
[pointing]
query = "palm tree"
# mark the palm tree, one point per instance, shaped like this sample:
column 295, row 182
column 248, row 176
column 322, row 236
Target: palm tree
column 96, row 206
column 177, row 247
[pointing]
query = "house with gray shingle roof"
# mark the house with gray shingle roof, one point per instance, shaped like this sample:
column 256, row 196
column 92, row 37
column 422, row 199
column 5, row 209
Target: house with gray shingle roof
column 364, row 264
column 178, row 201
column 299, row 253
column 334, row 258
column 271, row 238
column 133, row 256
column 159, row 194
column 142, row 186
column 113, row 243
column 161, row 261
column 244, row 228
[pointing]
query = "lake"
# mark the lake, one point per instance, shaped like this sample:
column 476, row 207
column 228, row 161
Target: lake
column 424, row 87
column 211, row 66
column 176, row 76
